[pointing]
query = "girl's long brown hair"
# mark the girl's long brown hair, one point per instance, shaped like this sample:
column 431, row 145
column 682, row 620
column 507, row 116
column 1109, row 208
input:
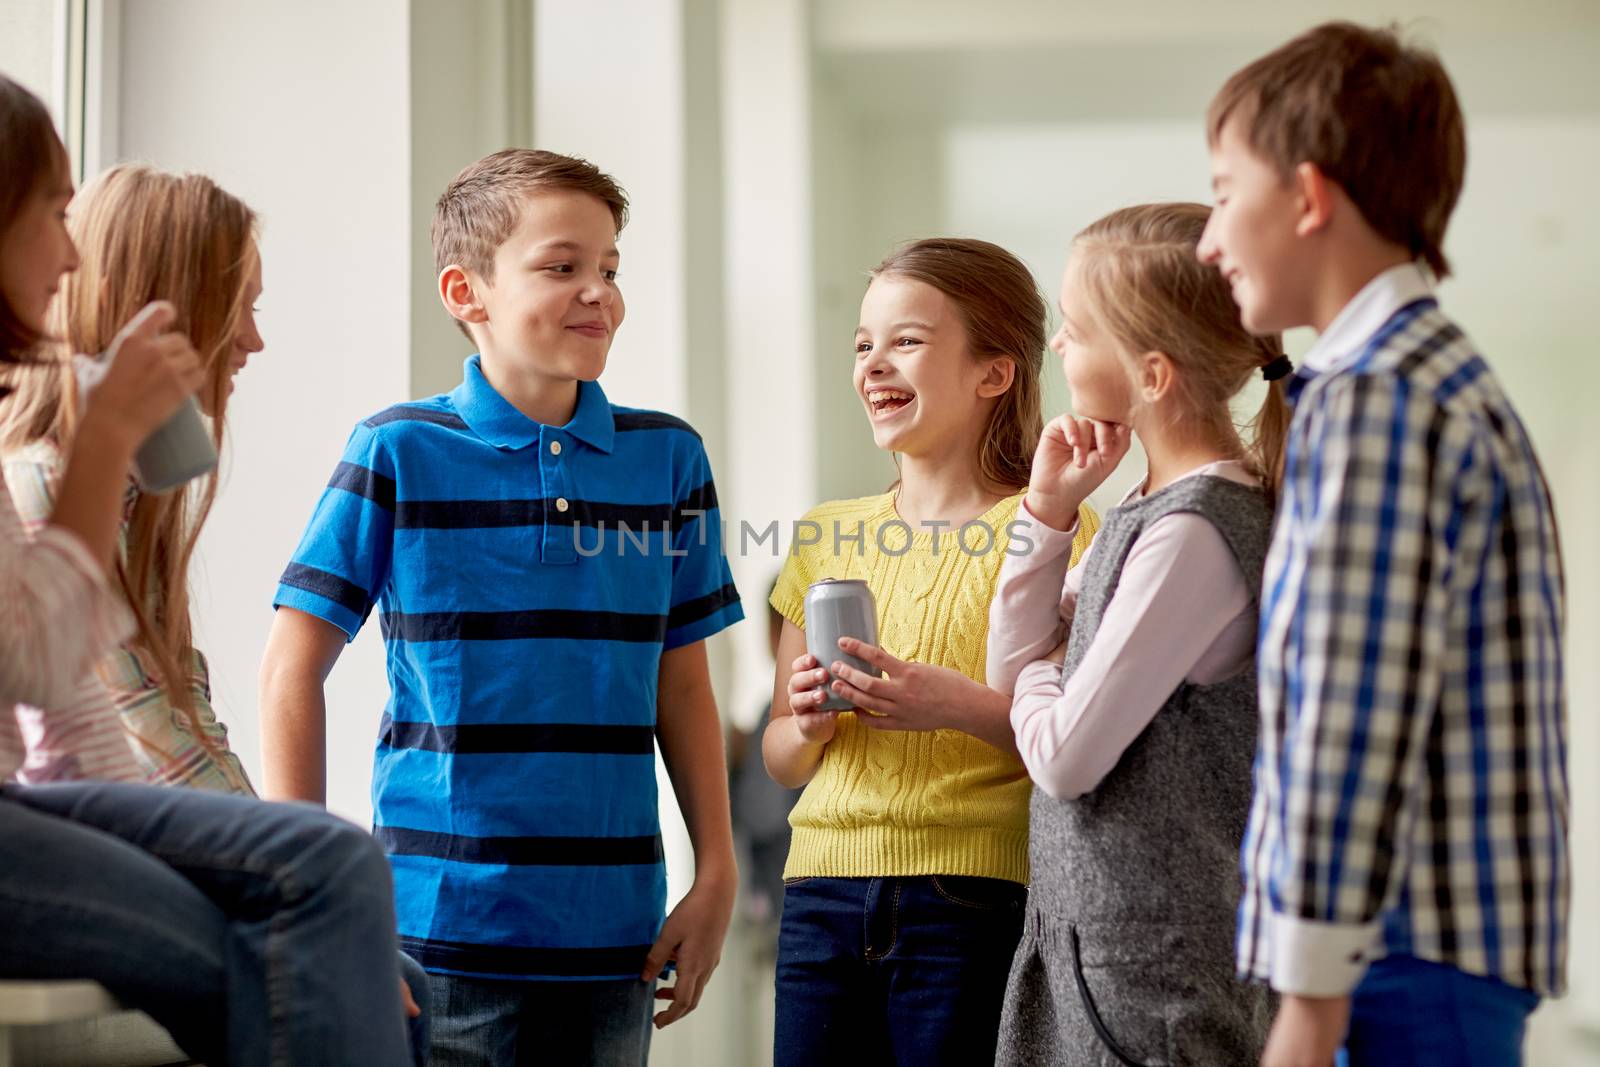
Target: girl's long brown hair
column 1150, row 290
column 31, row 155
column 142, row 235
column 1005, row 318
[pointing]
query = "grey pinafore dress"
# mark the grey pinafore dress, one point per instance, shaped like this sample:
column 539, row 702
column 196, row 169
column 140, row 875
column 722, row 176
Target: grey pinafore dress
column 1127, row 953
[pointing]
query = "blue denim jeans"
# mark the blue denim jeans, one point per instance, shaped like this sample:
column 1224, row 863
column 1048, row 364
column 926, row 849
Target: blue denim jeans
column 1425, row 1014
column 894, row 970
column 488, row 1022
column 255, row 933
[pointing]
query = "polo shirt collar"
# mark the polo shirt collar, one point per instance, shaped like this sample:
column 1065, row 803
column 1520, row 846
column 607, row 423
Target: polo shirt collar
column 493, row 418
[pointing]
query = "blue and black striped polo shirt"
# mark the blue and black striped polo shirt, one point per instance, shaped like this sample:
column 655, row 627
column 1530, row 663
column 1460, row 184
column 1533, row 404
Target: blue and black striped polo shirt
column 528, row 579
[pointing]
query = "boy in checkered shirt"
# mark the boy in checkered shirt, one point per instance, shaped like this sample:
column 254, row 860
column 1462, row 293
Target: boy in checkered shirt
column 1406, row 864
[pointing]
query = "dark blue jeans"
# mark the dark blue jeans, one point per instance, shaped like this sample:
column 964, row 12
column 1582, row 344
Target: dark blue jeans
column 255, row 933
column 1425, row 1014
column 894, row 970
column 483, row 1022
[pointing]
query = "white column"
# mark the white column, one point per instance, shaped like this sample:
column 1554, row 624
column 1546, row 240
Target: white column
column 471, row 94
column 609, row 86
column 771, row 475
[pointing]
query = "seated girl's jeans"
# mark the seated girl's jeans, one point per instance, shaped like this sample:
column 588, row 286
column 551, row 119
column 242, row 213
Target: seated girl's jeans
column 905, row 970
column 255, row 933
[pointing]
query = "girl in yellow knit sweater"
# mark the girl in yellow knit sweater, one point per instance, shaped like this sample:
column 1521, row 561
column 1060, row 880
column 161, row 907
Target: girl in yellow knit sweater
column 908, row 869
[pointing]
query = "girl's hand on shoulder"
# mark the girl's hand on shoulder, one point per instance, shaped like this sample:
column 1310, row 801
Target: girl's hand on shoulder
column 910, row 696
column 805, row 694
column 1075, row 456
column 151, row 370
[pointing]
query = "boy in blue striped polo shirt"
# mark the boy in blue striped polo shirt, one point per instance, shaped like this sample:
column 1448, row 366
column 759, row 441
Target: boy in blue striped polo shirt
column 547, row 567
column 1406, row 862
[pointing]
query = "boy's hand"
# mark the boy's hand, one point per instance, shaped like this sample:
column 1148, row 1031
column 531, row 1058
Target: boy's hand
column 691, row 937
column 408, row 1001
column 805, row 693
column 1073, row 458
column 1307, row 1032
column 910, row 696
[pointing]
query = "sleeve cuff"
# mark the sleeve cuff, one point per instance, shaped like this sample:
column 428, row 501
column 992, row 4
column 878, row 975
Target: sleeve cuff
column 700, row 629
column 321, row 607
column 1322, row 959
column 1042, row 530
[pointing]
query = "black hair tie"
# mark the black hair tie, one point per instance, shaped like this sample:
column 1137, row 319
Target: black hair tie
column 1278, row 368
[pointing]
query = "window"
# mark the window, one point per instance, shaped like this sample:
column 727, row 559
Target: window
column 44, row 46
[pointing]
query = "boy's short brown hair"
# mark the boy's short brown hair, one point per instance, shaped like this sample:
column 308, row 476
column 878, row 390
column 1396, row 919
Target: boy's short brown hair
column 1374, row 114
column 481, row 207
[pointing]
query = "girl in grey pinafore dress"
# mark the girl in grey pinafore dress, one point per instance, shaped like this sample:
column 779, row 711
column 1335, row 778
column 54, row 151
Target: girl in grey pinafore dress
column 1127, row 948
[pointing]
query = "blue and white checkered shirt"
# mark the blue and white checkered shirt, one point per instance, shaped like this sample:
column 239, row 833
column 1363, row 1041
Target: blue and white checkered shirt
column 1411, row 785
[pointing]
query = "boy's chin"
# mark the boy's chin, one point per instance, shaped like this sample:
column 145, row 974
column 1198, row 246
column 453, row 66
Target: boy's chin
column 585, row 366
column 571, row 368
column 1261, row 317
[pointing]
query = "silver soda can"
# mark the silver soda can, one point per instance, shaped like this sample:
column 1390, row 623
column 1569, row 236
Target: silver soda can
column 835, row 608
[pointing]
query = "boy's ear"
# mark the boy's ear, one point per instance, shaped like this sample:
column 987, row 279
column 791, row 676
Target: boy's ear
column 998, row 374
column 1316, row 194
column 1155, row 376
column 458, row 292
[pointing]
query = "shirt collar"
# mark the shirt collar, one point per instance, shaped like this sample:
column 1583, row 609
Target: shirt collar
column 1365, row 315
column 493, row 418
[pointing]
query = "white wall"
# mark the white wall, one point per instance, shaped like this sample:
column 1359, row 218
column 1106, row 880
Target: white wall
column 300, row 108
column 30, row 33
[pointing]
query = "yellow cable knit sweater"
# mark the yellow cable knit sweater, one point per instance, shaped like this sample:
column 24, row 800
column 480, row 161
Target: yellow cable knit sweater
column 886, row 803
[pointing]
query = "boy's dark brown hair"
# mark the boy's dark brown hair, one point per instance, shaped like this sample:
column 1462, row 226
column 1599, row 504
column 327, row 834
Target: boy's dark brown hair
column 483, row 204
column 1374, row 114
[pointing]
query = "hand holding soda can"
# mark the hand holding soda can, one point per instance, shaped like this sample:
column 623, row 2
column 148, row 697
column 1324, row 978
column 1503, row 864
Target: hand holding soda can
column 835, row 608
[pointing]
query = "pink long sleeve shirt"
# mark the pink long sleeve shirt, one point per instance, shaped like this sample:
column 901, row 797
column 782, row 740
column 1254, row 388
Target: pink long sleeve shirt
column 58, row 617
column 1182, row 611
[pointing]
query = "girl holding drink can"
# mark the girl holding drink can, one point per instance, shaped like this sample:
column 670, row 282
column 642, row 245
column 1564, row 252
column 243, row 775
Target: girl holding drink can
column 907, row 871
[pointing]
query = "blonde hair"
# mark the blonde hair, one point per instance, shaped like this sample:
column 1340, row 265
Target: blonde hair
column 1148, row 288
column 1005, row 318
column 144, row 234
